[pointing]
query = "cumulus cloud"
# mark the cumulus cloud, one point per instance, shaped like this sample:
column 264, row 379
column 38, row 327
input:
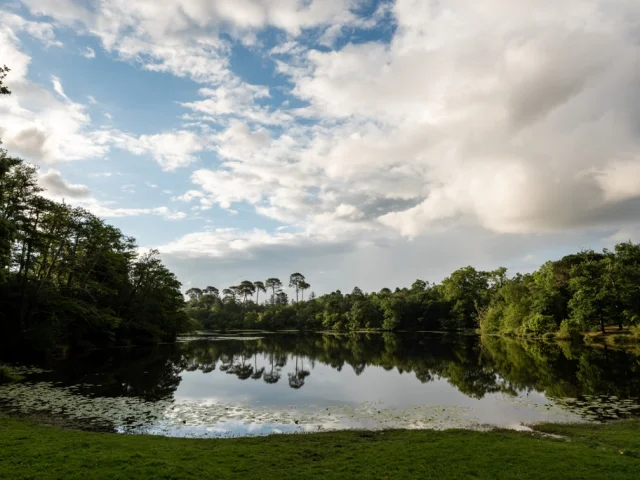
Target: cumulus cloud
column 41, row 31
column 499, row 117
column 171, row 150
column 499, row 126
column 518, row 128
column 236, row 99
column 56, row 186
column 40, row 126
column 229, row 243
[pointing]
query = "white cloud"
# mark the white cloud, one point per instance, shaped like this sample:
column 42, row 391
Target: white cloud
column 497, row 117
column 57, row 86
column 106, row 211
column 171, row 150
column 236, row 99
column 36, row 124
column 500, row 126
column 176, row 216
column 620, row 181
column 88, row 52
column 427, row 119
column 41, row 31
column 221, row 243
column 57, row 187
column 128, row 188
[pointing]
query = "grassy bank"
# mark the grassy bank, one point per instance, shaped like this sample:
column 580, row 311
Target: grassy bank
column 587, row 452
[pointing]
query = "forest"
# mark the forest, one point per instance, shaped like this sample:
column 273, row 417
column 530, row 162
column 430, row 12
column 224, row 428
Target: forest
column 581, row 292
column 69, row 279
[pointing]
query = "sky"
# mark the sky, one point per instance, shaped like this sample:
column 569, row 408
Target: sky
column 359, row 142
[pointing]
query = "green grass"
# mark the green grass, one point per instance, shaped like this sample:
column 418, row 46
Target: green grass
column 30, row 451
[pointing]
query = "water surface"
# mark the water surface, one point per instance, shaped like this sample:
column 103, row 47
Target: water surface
column 223, row 385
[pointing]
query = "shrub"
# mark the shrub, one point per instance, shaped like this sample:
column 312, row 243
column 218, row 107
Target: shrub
column 512, row 322
column 491, row 319
column 568, row 331
column 539, row 324
column 619, row 339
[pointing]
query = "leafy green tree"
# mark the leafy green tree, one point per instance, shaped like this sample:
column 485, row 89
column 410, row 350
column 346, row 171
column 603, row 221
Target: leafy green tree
column 594, row 296
column 467, row 289
column 627, row 260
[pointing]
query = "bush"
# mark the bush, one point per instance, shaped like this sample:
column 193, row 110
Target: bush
column 539, row 324
column 491, row 319
column 620, row 339
column 512, row 323
column 250, row 320
column 568, row 331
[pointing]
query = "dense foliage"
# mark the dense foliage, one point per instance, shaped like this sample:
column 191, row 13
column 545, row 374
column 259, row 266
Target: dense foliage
column 584, row 291
column 68, row 278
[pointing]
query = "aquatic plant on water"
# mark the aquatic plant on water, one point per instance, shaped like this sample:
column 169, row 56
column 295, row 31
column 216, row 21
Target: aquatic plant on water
column 8, row 374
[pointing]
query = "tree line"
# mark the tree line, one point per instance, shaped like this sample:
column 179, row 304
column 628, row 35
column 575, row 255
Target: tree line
column 580, row 292
column 68, row 278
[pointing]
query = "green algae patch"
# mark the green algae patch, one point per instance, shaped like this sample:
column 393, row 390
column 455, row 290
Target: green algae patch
column 587, row 452
column 9, row 374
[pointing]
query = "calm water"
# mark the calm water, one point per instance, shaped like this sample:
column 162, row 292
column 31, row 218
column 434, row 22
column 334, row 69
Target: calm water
column 217, row 385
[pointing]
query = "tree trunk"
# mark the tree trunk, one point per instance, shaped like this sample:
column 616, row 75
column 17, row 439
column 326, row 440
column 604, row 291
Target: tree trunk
column 602, row 326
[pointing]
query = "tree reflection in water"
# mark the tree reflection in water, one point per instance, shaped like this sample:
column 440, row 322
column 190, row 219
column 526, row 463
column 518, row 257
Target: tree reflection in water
column 475, row 366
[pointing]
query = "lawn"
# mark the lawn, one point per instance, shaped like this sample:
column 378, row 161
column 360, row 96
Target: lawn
column 32, row 451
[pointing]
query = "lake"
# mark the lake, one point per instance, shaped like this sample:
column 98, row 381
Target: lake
column 214, row 385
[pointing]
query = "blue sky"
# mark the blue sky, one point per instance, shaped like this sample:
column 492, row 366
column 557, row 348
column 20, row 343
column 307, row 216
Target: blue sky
column 359, row 142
